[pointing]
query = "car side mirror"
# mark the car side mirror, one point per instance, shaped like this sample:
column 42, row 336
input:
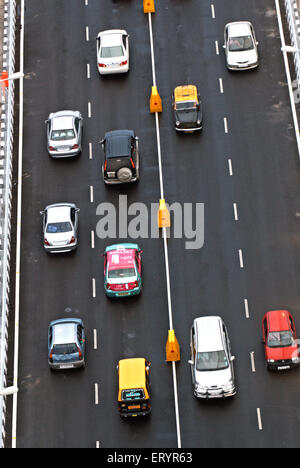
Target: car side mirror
column 191, row 362
column 42, row 212
column 46, row 121
column 101, row 142
column 77, row 210
column 257, row 43
column 224, row 46
column 136, row 138
column 232, row 358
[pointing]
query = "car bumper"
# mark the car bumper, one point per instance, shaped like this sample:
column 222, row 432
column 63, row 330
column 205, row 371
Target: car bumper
column 60, row 249
column 133, row 415
column 278, row 366
column 188, row 130
column 69, row 154
column 214, row 396
column 244, row 68
column 66, row 366
column 113, row 71
column 117, row 182
column 121, row 294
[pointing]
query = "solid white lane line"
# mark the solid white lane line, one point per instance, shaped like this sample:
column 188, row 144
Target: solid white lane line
column 221, row 85
column 96, row 394
column 93, row 287
column 259, row 419
column 213, row 13
column 91, row 194
column 92, row 239
column 230, row 167
column 235, row 211
column 88, row 71
column 89, row 110
column 86, row 2
column 95, row 340
column 241, row 258
column 225, row 125
column 165, row 237
column 246, row 308
column 97, row 444
column 217, row 47
column 87, row 33
column 90, row 150
column 252, row 361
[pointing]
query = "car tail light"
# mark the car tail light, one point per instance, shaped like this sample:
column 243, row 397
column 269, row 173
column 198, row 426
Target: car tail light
column 102, row 65
column 75, row 146
column 132, row 163
column 72, row 240
column 133, row 285
column 123, row 63
column 46, row 242
column 79, row 352
column 51, row 356
column 51, row 148
column 108, row 286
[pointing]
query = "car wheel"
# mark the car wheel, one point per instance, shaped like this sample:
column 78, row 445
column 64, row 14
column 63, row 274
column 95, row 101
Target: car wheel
column 124, row 175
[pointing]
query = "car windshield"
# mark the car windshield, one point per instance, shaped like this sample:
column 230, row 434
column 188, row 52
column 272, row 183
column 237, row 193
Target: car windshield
column 240, row 44
column 186, row 105
column 110, row 52
column 54, row 228
column 122, row 273
column 62, row 135
column 69, row 348
column 135, row 394
column 211, row 361
column 280, row 339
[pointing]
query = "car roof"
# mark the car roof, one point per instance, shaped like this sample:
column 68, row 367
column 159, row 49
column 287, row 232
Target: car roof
column 278, row 320
column 208, row 331
column 112, row 37
column 132, row 373
column 64, row 333
column 118, row 143
column 186, row 93
column 239, row 28
column 57, row 213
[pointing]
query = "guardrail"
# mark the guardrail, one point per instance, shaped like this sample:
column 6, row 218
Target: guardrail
column 6, row 159
column 292, row 15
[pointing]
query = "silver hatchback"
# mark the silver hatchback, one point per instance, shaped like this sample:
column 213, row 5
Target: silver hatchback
column 64, row 133
column 211, row 361
column 60, row 227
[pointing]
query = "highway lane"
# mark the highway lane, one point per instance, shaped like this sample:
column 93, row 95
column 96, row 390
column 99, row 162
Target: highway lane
column 59, row 410
column 260, row 144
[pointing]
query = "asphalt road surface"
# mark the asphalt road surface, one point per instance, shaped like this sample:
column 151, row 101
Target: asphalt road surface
column 58, row 409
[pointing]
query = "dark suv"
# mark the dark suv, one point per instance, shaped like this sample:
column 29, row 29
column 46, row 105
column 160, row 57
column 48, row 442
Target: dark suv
column 121, row 157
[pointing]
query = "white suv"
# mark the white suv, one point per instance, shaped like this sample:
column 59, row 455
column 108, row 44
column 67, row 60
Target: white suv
column 211, row 361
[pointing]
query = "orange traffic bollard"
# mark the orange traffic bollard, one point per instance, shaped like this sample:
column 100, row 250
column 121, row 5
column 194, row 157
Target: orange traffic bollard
column 155, row 101
column 163, row 217
column 172, row 348
column 4, row 78
column 149, row 6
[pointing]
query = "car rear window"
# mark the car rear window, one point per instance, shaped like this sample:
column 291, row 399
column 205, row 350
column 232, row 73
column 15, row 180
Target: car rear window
column 62, row 135
column 122, row 273
column 110, row 52
column 65, row 349
column 135, row 394
column 54, row 228
column 280, row 339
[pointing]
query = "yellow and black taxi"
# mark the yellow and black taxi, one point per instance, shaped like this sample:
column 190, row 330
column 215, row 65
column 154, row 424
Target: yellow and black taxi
column 187, row 109
column 134, row 387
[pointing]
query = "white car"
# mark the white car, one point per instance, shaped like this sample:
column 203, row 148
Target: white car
column 240, row 46
column 211, row 360
column 113, row 51
column 60, row 227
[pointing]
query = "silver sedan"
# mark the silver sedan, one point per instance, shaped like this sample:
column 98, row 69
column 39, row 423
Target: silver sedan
column 60, row 227
column 240, row 46
column 64, row 133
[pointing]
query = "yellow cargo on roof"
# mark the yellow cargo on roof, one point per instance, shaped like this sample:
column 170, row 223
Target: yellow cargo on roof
column 186, row 93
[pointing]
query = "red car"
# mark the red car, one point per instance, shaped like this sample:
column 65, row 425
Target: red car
column 280, row 340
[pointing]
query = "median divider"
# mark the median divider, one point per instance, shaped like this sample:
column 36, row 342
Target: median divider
column 172, row 348
column 155, row 101
column 149, row 6
column 163, row 217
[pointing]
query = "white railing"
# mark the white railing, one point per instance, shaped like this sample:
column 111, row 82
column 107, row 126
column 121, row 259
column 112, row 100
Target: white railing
column 6, row 160
column 293, row 20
